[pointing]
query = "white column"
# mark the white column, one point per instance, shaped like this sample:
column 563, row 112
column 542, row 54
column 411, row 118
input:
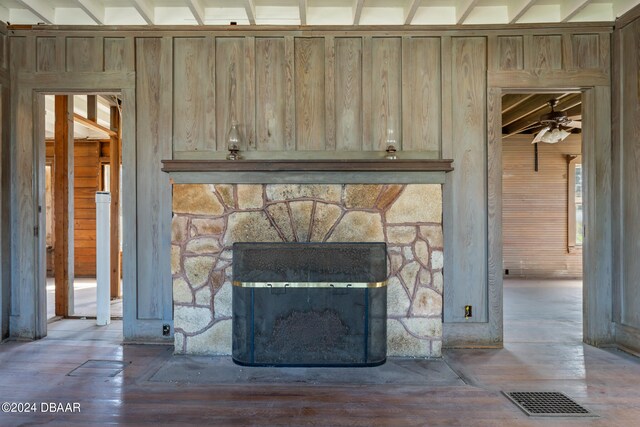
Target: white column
column 103, row 258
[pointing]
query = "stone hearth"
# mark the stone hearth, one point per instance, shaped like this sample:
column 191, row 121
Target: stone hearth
column 208, row 219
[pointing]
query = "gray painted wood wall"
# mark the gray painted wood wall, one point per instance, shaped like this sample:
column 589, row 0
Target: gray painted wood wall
column 4, row 183
column 626, row 181
column 291, row 89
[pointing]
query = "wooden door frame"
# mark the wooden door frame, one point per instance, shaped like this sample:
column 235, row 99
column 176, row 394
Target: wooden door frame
column 129, row 201
column 597, row 255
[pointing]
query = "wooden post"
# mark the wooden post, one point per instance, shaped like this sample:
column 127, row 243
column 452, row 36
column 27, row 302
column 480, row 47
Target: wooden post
column 92, row 108
column 114, row 185
column 63, row 205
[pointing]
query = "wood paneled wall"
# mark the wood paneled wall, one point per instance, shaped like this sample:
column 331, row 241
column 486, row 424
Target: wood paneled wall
column 87, row 174
column 5, row 244
column 535, row 209
column 626, row 158
column 290, row 89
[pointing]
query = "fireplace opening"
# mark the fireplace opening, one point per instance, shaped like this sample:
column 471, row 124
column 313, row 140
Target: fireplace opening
column 309, row 304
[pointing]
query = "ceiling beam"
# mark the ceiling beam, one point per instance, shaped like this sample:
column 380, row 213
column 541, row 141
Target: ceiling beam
column 92, row 8
column 357, row 11
column 567, row 101
column 303, row 11
column 41, row 8
column 511, row 101
column 533, row 104
column 92, row 125
column 570, row 8
column 197, row 10
column 517, row 8
column 250, row 8
column 145, row 9
column 463, row 9
column 410, row 11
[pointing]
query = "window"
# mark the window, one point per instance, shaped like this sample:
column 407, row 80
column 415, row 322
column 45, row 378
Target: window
column 574, row 203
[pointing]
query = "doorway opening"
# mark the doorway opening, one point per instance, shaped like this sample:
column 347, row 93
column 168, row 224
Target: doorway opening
column 82, row 155
column 542, row 217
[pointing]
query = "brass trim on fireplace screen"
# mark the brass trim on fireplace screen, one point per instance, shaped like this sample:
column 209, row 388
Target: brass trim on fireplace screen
column 309, row 284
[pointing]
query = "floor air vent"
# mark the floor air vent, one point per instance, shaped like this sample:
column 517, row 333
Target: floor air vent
column 98, row 368
column 547, row 404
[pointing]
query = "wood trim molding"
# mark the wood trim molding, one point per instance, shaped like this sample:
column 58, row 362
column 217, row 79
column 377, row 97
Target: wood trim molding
column 628, row 18
column 309, row 165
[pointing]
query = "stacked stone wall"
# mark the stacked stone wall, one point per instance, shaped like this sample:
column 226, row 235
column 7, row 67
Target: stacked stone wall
column 208, row 219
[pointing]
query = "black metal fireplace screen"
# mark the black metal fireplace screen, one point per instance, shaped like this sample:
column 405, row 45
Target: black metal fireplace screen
column 309, row 304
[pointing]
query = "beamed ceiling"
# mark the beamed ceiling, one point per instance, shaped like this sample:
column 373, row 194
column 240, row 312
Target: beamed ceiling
column 309, row 12
column 521, row 112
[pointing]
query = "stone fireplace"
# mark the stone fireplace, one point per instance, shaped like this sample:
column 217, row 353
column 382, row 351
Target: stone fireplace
column 208, row 219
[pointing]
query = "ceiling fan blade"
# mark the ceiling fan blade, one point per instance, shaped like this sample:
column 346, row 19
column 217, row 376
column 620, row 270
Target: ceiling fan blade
column 540, row 134
column 573, row 124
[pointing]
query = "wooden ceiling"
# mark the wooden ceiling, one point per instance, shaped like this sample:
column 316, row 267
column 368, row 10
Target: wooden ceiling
column 309, row 12
column 520, row 112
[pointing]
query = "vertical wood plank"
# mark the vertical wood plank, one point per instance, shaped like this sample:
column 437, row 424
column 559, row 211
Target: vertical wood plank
column 193, row 88
column 114, row 54
column 568, row 62
column 250, row 92
column 21, row 204
column 4, row 51
column 61, row 53
column 586, row 51
column 468, row 238
column 493, row 52
column 605, row 51
column 270, row 93
column 494, row 212
column 229, row 86
column 114, row 185
column 154, row 127
column 348, row 93
column 18, row 57
column 387, row 91
column 130, row 53
column 290, row 94
column 367, row 88
column 4, row 264
column 421, row 103
column 617, row 170
column 63, row 205
column 46, row 54
column 330, row 92
column 447, row 108
column 547, row 52
column 310, row 95
column 130, row 322
column 596, row 160
column 528, row 52
column 40, row 264
column 630, row 176
column 510, row 52
column 82, row 54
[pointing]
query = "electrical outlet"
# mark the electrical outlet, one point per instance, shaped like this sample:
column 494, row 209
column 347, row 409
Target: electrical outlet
column 468, row 311
column 166, row 330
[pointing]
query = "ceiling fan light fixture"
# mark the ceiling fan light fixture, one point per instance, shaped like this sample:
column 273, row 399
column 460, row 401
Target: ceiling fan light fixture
column 555, row 135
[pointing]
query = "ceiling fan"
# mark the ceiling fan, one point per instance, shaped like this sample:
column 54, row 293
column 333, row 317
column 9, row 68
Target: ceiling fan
column 556, row 125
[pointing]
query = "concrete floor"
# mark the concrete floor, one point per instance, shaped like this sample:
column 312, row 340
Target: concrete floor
column 542, row 352
column 543, row 311
column 84, row 299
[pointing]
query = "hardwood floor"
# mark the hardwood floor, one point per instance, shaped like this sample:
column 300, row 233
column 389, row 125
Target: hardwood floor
column 605, row 381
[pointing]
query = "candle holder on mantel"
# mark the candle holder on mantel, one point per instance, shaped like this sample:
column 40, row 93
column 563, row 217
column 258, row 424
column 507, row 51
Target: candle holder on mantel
column 233, row 143
column 391, row 145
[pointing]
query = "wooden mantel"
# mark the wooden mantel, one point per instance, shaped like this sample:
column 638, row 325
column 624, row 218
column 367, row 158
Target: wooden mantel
column 309, row 171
